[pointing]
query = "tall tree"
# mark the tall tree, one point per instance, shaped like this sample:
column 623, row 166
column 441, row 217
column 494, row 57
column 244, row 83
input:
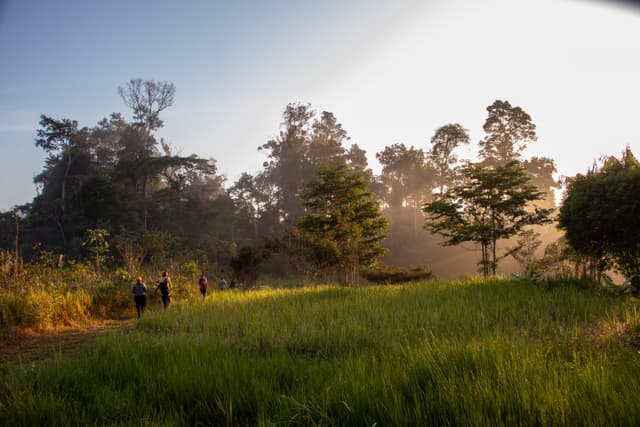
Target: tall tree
column 105, row 141
column 443, row 143
column 541, row 170
column 508, row 131
column 305, row 143
column 343, row 219
column 356, row 157
column 488, row 205
column 327, row 139
column 255, row 203
column 287, row 159
column 405, row 175
column 57, row 138
column 67, row 163
column 147, row 99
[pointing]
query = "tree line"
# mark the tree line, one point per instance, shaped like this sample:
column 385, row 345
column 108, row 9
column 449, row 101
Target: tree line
column 116, row 193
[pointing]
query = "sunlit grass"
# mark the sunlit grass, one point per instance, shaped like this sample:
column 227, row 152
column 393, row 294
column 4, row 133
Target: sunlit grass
column 462, row 353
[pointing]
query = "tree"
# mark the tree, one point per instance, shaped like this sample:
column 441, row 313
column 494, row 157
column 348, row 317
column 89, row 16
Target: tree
column 326, row 144
column 67, row 163
column 541, row 170
column 255, row 202
column 443, row 142
column 404, row 174
column 147, row 99
column 57, row 138
column 105, row 140
column 508, row 130
column 486, row 206
column 341, row 215
column 601, row 215
column 305, row 143
column 246, row 265
column 96, row 241
column 287, row 165
column 356, row 157
column 524, row 251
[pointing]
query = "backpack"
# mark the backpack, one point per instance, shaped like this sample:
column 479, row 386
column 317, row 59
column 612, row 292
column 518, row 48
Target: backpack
column 164, row 287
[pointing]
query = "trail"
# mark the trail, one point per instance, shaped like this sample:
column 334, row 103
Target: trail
column 29, row 348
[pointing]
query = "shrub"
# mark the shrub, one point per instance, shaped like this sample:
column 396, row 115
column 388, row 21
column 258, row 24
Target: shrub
column 40, row 309
column 392, row 275
column 74, row 307
column 110, row 298
column 16, row 309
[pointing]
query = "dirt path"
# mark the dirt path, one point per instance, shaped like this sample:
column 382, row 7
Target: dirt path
column 41, row 347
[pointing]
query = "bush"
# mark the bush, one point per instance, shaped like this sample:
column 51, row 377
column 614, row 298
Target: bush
column 39, row 309
column 393, row 275
column 74, row 308
column 16, row 309
column 110, row 298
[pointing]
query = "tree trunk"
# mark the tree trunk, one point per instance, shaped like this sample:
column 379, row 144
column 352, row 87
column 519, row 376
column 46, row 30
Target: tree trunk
column 63, row 194
column 145, row 211
column 16, row 263
column 485, row 259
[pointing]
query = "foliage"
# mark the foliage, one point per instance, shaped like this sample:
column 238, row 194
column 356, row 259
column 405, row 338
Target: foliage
column 119, row 178
column 486, row 206
column 524, row 252
column 443, row 144
column 246, row 265
column 131, row 252
column 405, row 176
column 162, row 209
column 601, row 216
column 342, row 221
column 40, row 309
column 304, row 144
column 394, row 275
column 96, row 241
column 508, row 130
column 561, row 260
column 541, row 171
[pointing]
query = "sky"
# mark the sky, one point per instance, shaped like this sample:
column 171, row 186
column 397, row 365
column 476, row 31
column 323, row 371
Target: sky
column 390, row 71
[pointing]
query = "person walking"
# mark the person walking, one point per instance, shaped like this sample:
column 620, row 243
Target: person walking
column 164, row 285
column 204, row 284
column 222, row 284
column 140, row 295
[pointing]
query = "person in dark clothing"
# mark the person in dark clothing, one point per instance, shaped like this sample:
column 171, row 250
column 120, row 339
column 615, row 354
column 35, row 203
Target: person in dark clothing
column 140, row 295
column 164, row 285
column 204, row 284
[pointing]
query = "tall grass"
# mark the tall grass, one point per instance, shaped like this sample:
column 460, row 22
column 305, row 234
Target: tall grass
column 44, row 297
column 471, row 352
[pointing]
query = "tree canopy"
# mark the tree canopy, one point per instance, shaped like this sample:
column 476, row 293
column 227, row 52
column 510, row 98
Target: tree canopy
column 601, row 214
column 343, row 225
column 508, row 131
column 443, row 144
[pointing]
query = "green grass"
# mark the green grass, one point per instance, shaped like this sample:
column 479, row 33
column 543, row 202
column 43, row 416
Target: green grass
column 434, row 353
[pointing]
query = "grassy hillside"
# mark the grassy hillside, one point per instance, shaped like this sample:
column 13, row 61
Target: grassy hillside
column 455, row 353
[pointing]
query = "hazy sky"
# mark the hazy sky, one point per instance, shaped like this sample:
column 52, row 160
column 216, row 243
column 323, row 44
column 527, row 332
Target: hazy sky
column 391, row 71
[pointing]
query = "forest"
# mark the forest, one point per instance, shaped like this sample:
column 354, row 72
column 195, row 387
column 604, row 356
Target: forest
column 115, row 197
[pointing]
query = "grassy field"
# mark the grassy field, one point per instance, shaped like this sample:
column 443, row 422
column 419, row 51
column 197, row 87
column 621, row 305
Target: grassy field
column 461, row 353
